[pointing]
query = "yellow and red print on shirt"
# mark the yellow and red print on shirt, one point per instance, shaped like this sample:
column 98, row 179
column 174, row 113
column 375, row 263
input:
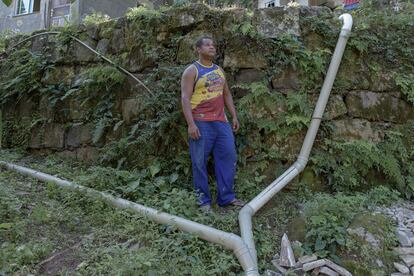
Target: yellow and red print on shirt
column 207, row 101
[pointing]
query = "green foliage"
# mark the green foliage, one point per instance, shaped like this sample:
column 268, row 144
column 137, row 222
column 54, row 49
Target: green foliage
column 142, row 13
column 348, row 165
column 7, row 2
column 299, row 110
column 328, row 217
column 19, row 257
column 406, row 84
column 95, row 18
column 21, row 75
column 272, row 115
column 382, row 196
column 244, row 28
column 289, row 53
column 382, row 228
column 98, row 87
column 160, row 121
column 155, row 144
column 16, row 133
column 384, row 31
column 4, row 36
column 218, row 3
column 123, row 243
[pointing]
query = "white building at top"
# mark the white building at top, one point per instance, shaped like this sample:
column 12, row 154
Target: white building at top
column 277, row 3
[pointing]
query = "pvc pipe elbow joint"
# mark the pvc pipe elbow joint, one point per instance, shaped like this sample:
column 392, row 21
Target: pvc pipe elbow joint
column 300, row 164
column 247, row 210
column 347, row 22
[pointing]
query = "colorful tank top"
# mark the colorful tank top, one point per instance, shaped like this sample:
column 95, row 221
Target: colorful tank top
column 207, row 101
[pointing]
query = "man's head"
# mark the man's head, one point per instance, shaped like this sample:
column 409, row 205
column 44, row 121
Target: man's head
column 205, row 47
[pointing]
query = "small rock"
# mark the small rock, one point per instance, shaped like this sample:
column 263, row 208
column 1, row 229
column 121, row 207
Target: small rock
column 103, row 46
column 372, row 240
column 409, row 233
column 307, row 259
column 342, row 271
column 403, row 239
column 379, row 263
column 297, row 248
column 287, row 258
column 412, row 270
column 401, row 268
column 316, row 271
column 408, row 259
column 314, row 264
column 297, row 271
column 359, row 231
column 269, row 272
column 404, row 250
column 277, row 265
column 327, row 271
column 297, row 243
column 410, row 220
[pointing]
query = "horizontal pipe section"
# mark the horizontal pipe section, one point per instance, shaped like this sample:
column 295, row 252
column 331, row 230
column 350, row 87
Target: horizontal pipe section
column 228, row 240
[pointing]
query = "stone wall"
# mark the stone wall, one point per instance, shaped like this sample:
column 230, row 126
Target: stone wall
column 364, row 102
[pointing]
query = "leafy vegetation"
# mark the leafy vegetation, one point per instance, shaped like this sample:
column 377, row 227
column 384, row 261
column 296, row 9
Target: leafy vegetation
column 24, row 71
column 95, row 18
column 349, row 165
column 146, row 159
column 328, row 218
column 219, row 3
column 406, row 84
column 109, row 240
column 7, row 2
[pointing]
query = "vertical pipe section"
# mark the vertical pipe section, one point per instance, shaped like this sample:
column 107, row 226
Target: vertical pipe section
column 247, row 212
column 228, row 240
column 326, row 88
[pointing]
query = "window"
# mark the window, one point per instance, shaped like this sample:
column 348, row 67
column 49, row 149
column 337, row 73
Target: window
column 27, row 6
column 211, row 3
column 60, row 12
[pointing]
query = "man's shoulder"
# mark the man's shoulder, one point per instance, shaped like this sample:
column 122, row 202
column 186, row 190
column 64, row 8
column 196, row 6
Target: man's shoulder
column 190, row 69
column 219, row 67
column 191, row 65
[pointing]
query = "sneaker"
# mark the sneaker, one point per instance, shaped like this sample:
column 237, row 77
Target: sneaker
column 237, row 203
column 206, row 209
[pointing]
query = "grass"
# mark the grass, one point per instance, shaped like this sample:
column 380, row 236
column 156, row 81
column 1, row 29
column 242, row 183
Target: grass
column 45, row 229
column 49, row 230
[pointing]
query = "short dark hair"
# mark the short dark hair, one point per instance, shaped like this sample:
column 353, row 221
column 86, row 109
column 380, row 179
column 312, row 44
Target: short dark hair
column 200, row 41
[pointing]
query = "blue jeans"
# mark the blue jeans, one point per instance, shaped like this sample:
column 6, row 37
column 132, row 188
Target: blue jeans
column 216, row 137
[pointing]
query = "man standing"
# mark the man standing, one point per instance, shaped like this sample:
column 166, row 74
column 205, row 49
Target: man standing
column 204, row 93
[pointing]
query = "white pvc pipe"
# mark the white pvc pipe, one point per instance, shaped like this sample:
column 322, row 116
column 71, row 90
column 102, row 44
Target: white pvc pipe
column 347, row 22
column 228, row 240
column 244, row 247
column 248, row 211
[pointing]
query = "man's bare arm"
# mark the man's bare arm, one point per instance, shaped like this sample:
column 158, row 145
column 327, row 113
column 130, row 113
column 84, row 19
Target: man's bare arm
column 187, row 90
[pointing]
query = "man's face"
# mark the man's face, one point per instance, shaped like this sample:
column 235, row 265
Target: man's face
column 208, row 49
